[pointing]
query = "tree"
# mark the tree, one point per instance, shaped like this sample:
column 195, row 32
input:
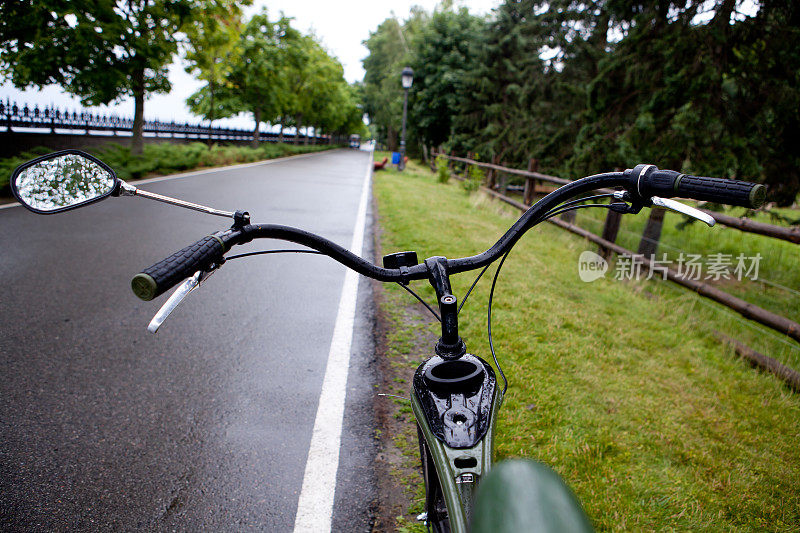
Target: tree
column 353, row 113
column 212, row 50
column 389, row 51
column 501, row 89
column 305, row 69
column 713, row 96
column 255, row 78
column 98, row 50
column 326, row 100
column 700, row 86
column 271, row 70
column 443, row 56
column 765, row 80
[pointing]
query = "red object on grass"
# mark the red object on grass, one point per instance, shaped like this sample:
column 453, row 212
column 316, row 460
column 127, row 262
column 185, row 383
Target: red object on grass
column 381, row 165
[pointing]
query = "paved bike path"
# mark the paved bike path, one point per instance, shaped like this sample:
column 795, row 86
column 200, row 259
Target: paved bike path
column 206, row 425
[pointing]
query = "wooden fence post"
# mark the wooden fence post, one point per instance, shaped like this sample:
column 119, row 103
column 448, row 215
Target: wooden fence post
column 568, row 217
column 490, row 176
column 503, row 188
column 530, row 184
column 610, row 231
column 652, row 233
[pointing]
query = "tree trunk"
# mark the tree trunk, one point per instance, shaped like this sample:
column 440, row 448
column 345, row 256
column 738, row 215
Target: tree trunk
column 257, row 130
column 297, row 120
column 723, row 16
column 391, row 139
column 137, row 141
column 280, row 135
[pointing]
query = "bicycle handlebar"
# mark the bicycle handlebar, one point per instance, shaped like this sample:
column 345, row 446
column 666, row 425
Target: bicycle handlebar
column 650, row 181
column 642, row 182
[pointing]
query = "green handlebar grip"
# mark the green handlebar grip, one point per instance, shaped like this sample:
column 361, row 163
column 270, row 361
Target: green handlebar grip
column 165, row 274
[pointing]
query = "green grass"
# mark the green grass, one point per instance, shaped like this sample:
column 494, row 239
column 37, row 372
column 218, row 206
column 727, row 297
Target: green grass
column 779, row 287
column 166, row 158
column 620, row 387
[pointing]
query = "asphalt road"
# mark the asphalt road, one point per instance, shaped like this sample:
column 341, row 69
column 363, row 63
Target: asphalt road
column 205, row 425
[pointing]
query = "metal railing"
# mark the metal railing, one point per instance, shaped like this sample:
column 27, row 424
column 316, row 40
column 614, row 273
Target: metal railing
column 51, row 118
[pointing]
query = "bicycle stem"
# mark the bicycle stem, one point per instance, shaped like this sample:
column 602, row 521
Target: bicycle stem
column 450, row 345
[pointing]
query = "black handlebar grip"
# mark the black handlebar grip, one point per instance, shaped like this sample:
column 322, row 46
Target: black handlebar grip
column 167, row 273
column 721, row 191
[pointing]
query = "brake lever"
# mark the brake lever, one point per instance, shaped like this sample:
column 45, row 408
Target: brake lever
column 177, row 297
column 683, row 209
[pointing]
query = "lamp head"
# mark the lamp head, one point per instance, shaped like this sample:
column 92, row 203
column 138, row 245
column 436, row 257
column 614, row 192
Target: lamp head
column 407, row 77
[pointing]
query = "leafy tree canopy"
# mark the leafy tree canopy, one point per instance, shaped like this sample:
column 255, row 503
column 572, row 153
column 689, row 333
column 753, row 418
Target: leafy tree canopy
column 268, row 68
column 709, row 87
column 98, row 50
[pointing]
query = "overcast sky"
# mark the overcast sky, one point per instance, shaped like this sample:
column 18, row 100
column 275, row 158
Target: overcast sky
column 341, row 26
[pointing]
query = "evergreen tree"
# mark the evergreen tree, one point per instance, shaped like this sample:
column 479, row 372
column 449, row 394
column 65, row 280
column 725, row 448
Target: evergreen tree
column 442, row 56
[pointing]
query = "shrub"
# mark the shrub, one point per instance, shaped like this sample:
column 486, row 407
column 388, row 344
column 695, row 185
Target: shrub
column 8, row 165
column 473, row 179
column 442, row 172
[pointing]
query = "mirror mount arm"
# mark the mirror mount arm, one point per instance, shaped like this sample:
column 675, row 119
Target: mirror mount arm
column 126, row 189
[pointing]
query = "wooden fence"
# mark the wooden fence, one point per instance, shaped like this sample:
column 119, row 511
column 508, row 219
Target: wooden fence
column 791, row 234
column 649, row 241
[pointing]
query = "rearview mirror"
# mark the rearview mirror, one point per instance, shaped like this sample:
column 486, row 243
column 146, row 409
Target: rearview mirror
column 62, row 180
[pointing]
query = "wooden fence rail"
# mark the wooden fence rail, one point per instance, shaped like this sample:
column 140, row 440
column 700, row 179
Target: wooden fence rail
column 790, row 234
column 608, row 246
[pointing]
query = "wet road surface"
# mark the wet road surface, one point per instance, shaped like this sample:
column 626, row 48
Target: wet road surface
column 205, row 425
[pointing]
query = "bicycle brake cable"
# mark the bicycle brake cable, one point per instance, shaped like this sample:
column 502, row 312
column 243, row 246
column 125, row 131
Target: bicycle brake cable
column 301, row 251
column 489, row 322
column 561, row 209
column 423, row 302
column 265, row 252
column 585, row 199
column 569, row 206
column 472, row 287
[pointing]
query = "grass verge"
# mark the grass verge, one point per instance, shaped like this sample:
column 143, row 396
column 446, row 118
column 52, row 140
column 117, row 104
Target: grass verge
column 166, row 158
column 620, row 387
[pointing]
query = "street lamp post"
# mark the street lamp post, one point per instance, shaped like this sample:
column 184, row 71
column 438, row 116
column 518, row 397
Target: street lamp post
column 407, row 78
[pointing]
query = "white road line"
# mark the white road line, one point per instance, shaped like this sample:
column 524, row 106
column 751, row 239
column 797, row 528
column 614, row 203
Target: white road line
column 315, row 507
column 199, row 172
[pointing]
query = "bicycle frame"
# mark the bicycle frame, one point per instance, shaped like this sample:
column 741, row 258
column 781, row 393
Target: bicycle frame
column 455, row 400
column 460, row 459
